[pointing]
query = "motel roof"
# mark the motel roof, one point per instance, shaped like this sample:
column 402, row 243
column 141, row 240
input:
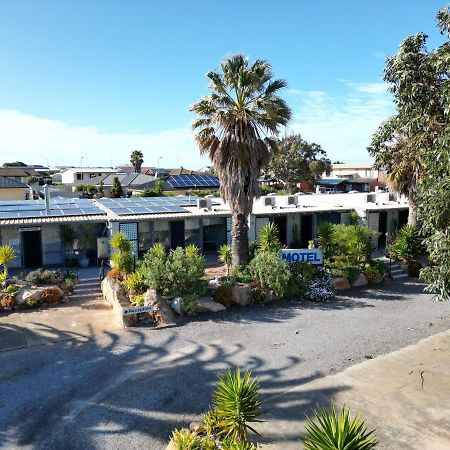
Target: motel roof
column 22, row 212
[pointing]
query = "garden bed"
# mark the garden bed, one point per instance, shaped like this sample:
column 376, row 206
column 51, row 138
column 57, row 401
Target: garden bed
column 39, row 288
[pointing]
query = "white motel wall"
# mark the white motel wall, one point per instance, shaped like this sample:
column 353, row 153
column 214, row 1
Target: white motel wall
column 40, row 240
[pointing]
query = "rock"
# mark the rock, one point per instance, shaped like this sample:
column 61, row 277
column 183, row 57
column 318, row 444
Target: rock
column 162, row 312
column 195, row 426
column 241, row 293
column 51, row 294
column 340, row 284
column 176, row 305
column 28, row 295
column 361, row 280
column 207, row 304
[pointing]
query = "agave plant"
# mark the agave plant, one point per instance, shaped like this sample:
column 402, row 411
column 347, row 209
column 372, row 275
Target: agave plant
column 226, row 256
column 268, row 241
column 237, row 403
column 337, row 432
column 6, row 256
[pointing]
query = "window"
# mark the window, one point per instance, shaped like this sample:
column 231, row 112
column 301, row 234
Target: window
column 79, row 176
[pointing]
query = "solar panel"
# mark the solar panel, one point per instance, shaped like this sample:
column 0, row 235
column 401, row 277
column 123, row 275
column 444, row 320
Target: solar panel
column 58, row 207
column 192, row 181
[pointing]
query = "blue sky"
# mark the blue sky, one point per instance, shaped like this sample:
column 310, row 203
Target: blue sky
column 100, row 78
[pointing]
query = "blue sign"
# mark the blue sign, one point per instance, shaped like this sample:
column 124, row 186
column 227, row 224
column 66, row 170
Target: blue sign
column 311, row 255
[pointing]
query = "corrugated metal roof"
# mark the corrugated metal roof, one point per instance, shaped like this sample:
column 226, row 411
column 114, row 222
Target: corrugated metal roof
column 10, row 183
column 42, row 220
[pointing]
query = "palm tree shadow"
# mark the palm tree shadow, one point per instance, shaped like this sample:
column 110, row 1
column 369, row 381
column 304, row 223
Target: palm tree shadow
column 101, row 387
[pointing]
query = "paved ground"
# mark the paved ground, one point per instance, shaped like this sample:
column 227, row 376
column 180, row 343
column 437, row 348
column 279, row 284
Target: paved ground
column 404, row 395
column 129, row 389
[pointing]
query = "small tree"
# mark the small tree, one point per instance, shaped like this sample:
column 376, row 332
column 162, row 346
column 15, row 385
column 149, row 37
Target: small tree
column 226, row 256
column 116, row 189
column 6, row 256
column 136, row 159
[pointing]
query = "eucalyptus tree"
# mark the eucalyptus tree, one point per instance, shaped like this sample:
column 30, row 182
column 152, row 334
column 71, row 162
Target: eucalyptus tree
column 414, row 144
column 235, row 127
column 136, row 159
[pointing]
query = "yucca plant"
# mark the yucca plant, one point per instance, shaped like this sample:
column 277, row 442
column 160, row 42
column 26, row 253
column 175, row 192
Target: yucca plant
column 6, row 256
column 268, row 241
column 226, row 256
column 337, row 432
column 237, row 403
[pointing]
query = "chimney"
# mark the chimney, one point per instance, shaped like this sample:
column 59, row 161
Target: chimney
column 47, row 198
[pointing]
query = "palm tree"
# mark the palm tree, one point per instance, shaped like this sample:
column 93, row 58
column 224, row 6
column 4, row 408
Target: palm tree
column 405, row 173
column 136, row 158
column 235, row 124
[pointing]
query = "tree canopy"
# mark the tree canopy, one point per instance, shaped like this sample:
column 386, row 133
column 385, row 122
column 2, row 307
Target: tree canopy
column 116, row 188
column 14, row 164
column 234, row 125
column 414, row 145
column 295, row 160
column 136, row 159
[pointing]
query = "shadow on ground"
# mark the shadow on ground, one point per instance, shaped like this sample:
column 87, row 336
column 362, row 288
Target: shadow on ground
column 85, row 390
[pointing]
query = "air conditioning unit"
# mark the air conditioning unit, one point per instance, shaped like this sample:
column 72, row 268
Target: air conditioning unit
column 269, row 201
column 204, row 203
column 291, row 200
column 371, row 198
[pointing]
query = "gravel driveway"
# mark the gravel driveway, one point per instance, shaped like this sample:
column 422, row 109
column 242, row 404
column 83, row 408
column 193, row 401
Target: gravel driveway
column 128, row 390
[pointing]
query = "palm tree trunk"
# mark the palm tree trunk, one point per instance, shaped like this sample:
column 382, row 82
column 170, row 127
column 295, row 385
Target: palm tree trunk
column 412, row 219
column 239, row 243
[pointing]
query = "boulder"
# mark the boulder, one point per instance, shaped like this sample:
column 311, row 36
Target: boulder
column 176, row 305
column 51, row 294
column 162, row 311
column 207, row 304
column 340, row 284
column 28, row 295
column 361, row 280
column 241, row 293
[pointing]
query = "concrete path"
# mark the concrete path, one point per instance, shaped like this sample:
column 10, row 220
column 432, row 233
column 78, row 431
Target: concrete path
column 84, row 314
column 405, row 395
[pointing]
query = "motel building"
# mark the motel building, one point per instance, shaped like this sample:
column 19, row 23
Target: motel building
column 58, row 231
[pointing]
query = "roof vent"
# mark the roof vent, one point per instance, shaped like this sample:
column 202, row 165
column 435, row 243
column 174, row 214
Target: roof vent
column 47, row 198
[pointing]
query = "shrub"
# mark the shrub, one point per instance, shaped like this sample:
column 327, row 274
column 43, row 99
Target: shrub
column 407, row 244
column 222, row 294
column 135, row 283
column 226, row 256
column 320, row 289
column 51, row 295
column 268, row 239
column 302, row 273
column 373, row 275
column 180, row 273
column 337, row 432
column 189, row 304
column 240, row 274
column 272, row 272
column 120, row 242
column 186, row 440
column 413, row 267
column 114, row 273
column 138, row 300
column 153, row 267
column 39, row 277
column 6, row 256
column 237, row 403
column 9, row 295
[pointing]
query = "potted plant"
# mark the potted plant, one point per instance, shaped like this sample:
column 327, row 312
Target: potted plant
column 85, row 241
column 68, row 237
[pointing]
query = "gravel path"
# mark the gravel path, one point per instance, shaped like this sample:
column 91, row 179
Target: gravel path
column 129, row 390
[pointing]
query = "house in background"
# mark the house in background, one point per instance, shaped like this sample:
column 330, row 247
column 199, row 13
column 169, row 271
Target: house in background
column 20, row 174
column 72, row 175
column 131, row 182
column 11, row 189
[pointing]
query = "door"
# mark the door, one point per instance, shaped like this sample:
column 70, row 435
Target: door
column 306, row 229
column 382, row 228
column 402, row 217
column 177, row 233
column 32, row 249
column 281, row 224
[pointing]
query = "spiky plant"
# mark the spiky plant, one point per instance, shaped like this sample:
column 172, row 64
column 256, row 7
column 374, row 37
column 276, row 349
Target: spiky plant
column 226, row 256
column 234, row 125
column 337, row 432
column 6, row 256
column 268, row 241
column 136, row 159
column 120, row 242
column 237, row 403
